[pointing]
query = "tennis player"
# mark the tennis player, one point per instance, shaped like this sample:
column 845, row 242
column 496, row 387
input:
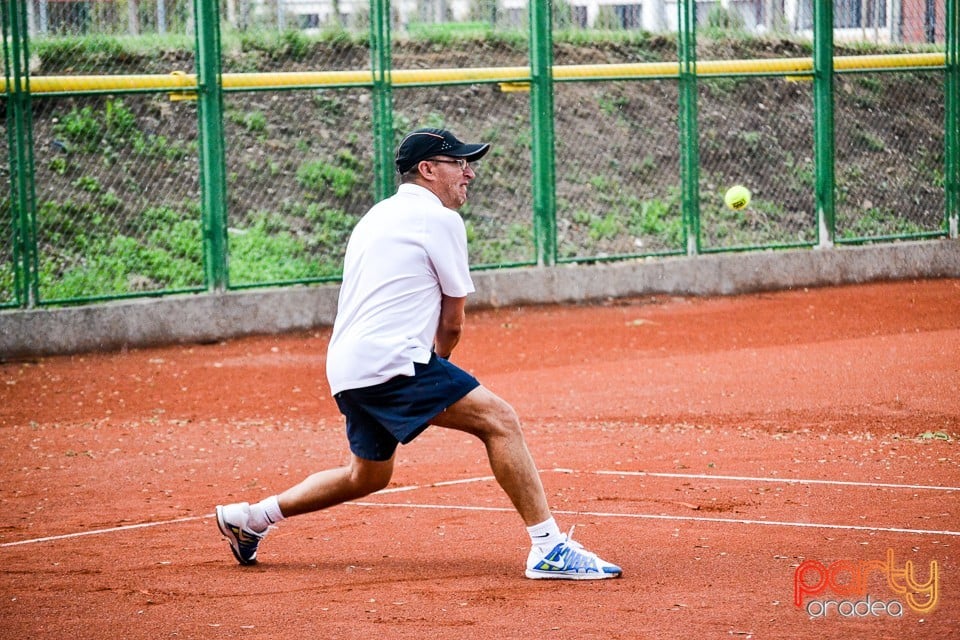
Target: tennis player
column 400, row 315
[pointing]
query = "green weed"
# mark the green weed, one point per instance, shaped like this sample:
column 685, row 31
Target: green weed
column 659, row 218
column 513, row 244
column 82, row 127
column 253, row 121
column 869, row 140
column 319, row 176
column 110, row 201
column 111, row 264
column 263, row 253
column 875, row 222
column 58, row 166
column 612, row 105
column 87, row 183
column 288, row 45
column 720, row 19
column 446, row 33
column 750, row 140
column 154, row 146
column 604, row 228
column 329, row 107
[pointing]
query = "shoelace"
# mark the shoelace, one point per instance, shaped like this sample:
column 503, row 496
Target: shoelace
column 576, row 546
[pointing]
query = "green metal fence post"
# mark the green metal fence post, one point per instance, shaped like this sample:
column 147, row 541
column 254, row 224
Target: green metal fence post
column 381, row 62
column 689, row 131
column 542, row 131
column 952, row 113
column 212, row 155
column 20, row 146
column 8, row 34
column 823, row 121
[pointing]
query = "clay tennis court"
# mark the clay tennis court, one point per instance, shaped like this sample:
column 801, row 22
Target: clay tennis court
column 708, row 446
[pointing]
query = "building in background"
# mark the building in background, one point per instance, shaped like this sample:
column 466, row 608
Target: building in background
column 873, row 20
column 910, row 21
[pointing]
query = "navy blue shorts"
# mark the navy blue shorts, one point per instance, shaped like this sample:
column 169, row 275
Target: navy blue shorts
column 398, row 410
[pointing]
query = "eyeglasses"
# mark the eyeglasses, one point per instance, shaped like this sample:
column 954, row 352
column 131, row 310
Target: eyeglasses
column 462, row 162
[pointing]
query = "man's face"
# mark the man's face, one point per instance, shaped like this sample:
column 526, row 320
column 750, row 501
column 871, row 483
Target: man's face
column 450, row 177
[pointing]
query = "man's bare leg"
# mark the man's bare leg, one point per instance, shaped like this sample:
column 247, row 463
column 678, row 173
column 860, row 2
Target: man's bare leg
column 335, row 486
column 491, row 419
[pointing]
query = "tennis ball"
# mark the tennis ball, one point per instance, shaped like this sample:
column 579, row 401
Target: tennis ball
column 738, row 197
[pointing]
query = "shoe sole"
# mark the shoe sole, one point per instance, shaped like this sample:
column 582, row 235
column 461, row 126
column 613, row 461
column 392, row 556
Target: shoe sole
column 232, row 539
column 560, row 575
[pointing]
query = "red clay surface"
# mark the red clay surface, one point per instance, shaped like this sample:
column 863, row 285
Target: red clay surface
column 708, row 446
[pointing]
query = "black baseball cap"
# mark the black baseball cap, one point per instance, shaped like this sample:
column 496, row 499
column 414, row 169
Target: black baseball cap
column 426, row 143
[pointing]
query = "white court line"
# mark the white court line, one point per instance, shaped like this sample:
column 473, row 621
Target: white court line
column 705, row 476
column 650, row 516
column 96, row 532
column 448, row 483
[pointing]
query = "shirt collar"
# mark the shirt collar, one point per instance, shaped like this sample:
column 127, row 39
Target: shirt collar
column 416, row 190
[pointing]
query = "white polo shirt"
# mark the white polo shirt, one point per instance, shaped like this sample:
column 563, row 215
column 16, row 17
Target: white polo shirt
column 402, row 255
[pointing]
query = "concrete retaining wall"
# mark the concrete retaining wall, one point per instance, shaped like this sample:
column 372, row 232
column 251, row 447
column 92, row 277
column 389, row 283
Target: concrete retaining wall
column 212, row 317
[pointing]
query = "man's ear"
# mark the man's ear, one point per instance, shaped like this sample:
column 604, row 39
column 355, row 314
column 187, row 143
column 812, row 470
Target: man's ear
column 427, row 170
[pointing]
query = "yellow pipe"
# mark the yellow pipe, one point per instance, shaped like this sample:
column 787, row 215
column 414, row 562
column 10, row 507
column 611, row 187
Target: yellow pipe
column 63, row 84
column 184, row 82
column 890, row 61
column 421, row 76
column 633, row 70
column 294, row 79
column 768, row 65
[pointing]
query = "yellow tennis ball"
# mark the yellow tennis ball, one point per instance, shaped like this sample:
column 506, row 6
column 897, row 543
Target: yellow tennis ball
column 738, row 197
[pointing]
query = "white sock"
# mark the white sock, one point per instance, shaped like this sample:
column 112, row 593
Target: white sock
column 264, row 513
column 546, row 535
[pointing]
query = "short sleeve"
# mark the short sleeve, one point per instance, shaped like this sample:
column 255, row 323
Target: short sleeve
column 447, row 250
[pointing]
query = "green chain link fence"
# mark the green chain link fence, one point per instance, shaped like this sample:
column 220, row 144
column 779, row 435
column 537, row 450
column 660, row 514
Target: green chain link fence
column 135, row 168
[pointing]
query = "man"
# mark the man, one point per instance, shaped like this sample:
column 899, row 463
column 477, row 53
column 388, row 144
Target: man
column 399, row 317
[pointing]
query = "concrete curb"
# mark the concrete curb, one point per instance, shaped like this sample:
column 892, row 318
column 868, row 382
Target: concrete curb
column 212, row 317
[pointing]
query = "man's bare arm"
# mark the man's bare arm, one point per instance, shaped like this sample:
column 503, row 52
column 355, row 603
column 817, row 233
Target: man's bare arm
column 451, row 325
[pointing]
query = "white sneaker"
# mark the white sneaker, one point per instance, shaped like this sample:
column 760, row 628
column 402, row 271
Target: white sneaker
column 232, row 521
column 569, row 561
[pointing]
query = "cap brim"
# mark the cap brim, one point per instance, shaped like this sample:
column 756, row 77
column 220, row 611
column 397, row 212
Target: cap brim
column 472, row 152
